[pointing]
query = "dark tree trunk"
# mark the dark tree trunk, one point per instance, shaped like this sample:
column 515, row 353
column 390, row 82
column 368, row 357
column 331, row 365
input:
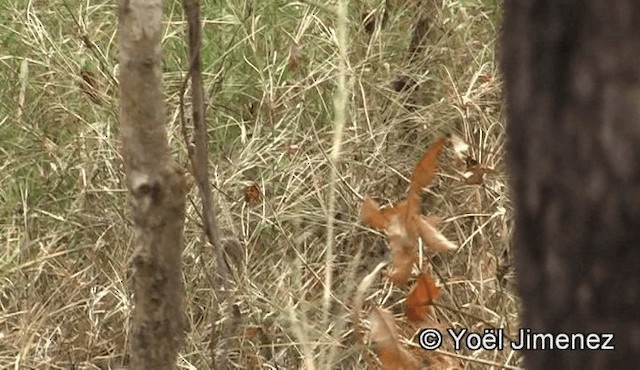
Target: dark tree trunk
column 572, row 74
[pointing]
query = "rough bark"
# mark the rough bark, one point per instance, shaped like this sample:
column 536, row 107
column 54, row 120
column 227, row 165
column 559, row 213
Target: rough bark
column 156, row 187
column 572, row 73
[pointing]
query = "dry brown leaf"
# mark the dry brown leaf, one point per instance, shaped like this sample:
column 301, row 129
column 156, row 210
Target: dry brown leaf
column 90, row 85
column 294, row 53
column 252, row 194
column 475, row 172
column 358, row 300
column 384, row 335
column 253, row 332
column 403, row 257
column 434, row 221
column 421, row 297
column 425, row 169
column 474, row 177
column 402, row 238
column 431, row 237
column 403, row 221
column 371, row 215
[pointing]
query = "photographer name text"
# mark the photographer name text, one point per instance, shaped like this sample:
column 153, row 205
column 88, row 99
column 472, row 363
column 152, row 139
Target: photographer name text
column 494, row 339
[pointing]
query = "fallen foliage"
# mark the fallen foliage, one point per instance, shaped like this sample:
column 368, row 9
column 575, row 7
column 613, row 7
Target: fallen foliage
column 384, row 335
column 403, row 222
column 421, row 297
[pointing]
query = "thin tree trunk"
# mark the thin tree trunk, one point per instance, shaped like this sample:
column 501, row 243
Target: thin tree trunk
column 572, row 74
column 157, row 190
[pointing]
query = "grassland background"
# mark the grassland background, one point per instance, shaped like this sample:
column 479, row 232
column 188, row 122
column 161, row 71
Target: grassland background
column 65, row 235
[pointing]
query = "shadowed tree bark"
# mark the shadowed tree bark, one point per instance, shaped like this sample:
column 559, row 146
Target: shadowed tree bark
column 157, row 190
column 572, row 74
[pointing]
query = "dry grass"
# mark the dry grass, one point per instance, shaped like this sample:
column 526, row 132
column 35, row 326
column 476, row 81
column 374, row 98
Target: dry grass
column 64, row 285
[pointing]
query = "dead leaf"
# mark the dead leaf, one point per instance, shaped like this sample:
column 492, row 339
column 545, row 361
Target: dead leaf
column 403, row 222
column 426, row 167
column 431, row 237
column 475, row 173
column 420, row 298
column 371, row 215
column 294, row 53
column 434, row 221
column 358, row 300
column 384, row 335
column 253, row 332
column 403, row 256
column 90, row 86
column 252, row 194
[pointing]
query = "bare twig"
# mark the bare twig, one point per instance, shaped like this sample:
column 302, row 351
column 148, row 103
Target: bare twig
column 198, row 156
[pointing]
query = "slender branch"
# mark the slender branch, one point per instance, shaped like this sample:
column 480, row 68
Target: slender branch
column 341, row 101
column 198, row 156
